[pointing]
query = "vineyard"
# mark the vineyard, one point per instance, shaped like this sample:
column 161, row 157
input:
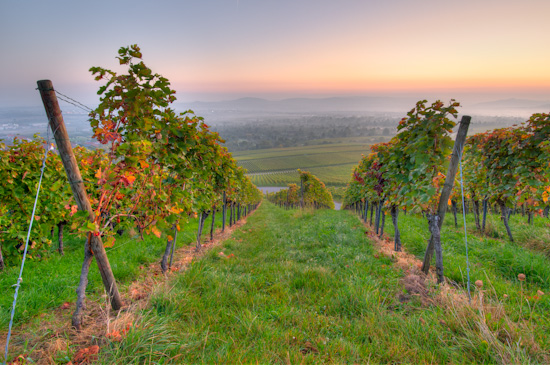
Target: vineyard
column 296, row 283
column 332, row 163
column 505, row 169
column 310, row 157
column 157, row 170
column 336, row 175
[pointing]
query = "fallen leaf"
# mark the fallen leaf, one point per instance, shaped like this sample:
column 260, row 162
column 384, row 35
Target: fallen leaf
column 308, row 348
column 114, row 336
column 86, row 355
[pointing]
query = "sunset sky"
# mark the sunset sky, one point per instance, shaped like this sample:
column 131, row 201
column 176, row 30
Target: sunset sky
column 223, row 49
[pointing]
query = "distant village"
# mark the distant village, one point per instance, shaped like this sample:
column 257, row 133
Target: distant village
column 9, row 126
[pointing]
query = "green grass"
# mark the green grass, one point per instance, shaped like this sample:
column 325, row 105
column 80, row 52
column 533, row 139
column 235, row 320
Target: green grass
column 49, row 283
column 308, row 288
column 494, row 259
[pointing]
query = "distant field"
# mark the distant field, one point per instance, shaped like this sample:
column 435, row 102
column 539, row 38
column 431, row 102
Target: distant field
column 337, row 175
column 332, row 163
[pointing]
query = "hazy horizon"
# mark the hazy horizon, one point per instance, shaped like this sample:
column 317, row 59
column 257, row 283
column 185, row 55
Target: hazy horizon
column 465, row 98
column 235, row 106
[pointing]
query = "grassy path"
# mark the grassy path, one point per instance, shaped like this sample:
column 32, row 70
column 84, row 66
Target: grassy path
column 301, row 287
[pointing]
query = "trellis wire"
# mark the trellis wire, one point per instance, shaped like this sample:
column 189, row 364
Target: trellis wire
column 20, row 279
column 72, row 101
column 465, row 232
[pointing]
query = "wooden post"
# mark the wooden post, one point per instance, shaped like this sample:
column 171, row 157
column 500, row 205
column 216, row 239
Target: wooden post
column 484, row 215
column 57, row 125
column 213, row 223
column 173, row 244
column 224, row 213
column 231, row 214
column 397, row 235
column 1, row 259
column 60, row 226
column 448, row 186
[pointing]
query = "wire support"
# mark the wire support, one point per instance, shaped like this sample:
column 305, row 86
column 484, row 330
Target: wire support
column 69, row 102
column 72, row 101
column 20, row 279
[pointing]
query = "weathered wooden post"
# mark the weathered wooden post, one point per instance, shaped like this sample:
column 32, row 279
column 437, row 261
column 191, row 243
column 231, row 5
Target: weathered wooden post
column 175, row 230
column 199, row 229
column 444, row 198
column 1, row 259
column 212, row 223
column 224, row 213
column 57, row 125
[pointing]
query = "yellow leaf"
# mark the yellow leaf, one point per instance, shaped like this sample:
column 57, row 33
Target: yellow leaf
column 109, row 242
column 98, row 173
column 156, row 231
column 175, row 210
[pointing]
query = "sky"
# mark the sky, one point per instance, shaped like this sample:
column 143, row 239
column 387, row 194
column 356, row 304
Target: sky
column 222, row 49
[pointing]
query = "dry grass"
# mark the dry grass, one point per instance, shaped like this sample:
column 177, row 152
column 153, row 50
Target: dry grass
column 512, row 342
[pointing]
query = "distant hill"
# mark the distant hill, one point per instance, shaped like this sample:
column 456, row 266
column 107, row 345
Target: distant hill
column 510, row 103
column 507, row 107
column 332, row 104
column 520, row 107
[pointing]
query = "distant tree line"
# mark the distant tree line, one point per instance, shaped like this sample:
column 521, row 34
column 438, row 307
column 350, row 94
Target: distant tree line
column 300, row 130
